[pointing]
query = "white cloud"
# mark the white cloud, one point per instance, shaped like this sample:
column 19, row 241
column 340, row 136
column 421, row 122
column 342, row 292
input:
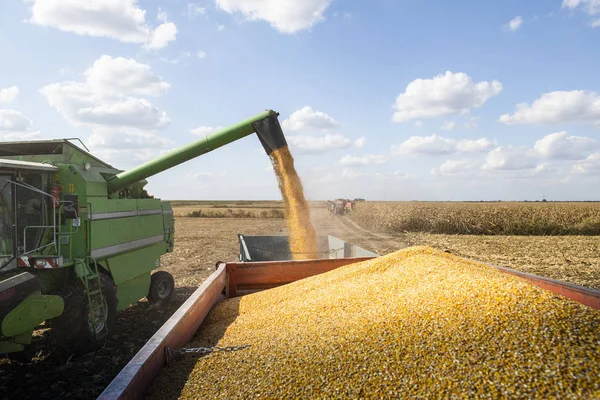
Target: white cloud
column 128, row 112
column 474, row 146
column 445, row 94
column 510, row 158
column 318, row 144
column 307, row 120
column 370, row 159
column 438, row 145
column 514, row 24
column 459, row 166
column 181, row 58
column 418, row 124
column 588, row 166
column 108, row 102
column 80, row 105
column 205, row 130
column 194, row 10
column 13, row 121
column 8, row 95
column 162, row 35
column 104, row 98
column 286, row 16
column 557, row 107
column 201, row 54
column 14, row 125
column 126, row 139
column 360, row 142
column 590, row 7
column 448, row 126
column 122, row 20
column 430, row 145
column 562, row 147
column 162, row 15
column 124, row 76
column 220, row 28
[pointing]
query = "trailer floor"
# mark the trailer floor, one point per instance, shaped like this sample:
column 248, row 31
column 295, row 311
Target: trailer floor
column 201, row 242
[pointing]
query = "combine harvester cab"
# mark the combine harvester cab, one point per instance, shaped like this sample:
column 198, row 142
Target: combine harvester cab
column 79, row 239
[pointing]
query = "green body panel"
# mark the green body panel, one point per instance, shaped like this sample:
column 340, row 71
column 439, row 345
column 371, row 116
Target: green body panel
column 15, row 343
column 133, row 290
column 128, row 265
column 31, row 312
column 124, row 231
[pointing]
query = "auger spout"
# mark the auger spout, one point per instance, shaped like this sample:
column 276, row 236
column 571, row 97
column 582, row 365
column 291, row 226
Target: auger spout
column 265, row 124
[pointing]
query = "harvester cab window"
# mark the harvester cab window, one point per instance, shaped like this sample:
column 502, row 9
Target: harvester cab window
column 7, row 215
column 30, row 212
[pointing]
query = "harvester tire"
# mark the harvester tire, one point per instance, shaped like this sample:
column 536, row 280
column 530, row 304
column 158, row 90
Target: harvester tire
column 73, row 331
column 162, row 287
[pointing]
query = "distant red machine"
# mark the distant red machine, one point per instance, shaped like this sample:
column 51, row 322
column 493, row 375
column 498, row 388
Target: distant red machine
column 340, row 206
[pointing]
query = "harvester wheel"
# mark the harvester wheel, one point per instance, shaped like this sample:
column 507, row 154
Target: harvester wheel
column 162, row 287
column 81, row 328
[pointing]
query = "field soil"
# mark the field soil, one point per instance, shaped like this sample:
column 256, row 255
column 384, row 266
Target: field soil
column 201, row 242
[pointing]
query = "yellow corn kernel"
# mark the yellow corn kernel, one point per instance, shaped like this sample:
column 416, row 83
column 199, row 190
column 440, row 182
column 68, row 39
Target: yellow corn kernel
column 415, row 323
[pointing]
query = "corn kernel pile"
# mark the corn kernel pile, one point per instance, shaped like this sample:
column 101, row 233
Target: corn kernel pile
column 415, row 323
column 302, row 235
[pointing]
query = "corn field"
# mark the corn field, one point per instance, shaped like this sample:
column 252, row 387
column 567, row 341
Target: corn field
column 481, row 218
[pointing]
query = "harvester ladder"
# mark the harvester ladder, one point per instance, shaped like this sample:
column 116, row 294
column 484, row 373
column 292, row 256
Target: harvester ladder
column 93, row 290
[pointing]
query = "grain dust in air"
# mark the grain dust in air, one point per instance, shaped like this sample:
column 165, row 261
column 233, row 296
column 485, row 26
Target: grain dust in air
column 302, row 235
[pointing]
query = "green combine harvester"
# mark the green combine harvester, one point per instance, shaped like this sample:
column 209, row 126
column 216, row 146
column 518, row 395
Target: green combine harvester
column 79, row 239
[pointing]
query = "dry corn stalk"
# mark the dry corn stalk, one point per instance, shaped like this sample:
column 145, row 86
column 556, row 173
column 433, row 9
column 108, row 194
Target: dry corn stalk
column 506, row 218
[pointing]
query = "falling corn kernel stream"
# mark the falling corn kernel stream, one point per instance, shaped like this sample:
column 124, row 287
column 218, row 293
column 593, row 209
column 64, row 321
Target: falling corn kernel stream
column 302, row 235
column 417, row 323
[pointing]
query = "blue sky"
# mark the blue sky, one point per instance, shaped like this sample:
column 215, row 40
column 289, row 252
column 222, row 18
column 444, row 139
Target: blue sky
column 391, row 100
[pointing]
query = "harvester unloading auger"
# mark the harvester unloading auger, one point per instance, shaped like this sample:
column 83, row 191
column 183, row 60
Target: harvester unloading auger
column 79, row 239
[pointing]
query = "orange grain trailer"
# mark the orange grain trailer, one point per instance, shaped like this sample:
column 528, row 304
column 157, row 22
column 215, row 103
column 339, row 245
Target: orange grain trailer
column 240, row 278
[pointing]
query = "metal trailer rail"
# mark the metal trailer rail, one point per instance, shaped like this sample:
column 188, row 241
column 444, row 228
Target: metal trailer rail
column 236, row 279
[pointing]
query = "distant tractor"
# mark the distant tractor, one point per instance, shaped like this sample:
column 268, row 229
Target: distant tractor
column 339, row 206
column 79, row 239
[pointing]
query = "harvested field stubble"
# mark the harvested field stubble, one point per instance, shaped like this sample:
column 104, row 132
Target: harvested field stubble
column 573, row 259
column 415, row 323
column 236, row 213
column 481, row 218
